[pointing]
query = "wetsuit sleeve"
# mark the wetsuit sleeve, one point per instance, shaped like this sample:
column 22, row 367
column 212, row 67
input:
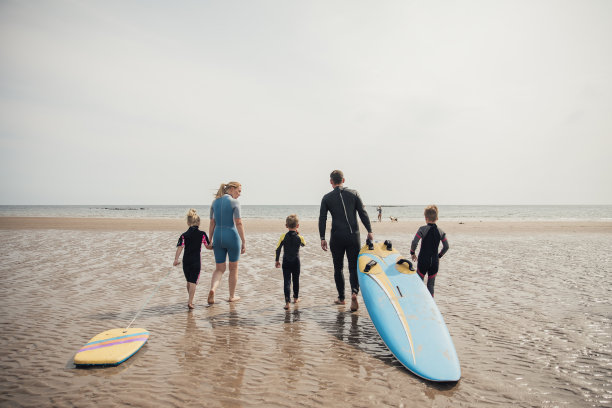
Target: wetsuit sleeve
column 205, row 239
column 415, row 241
column 236, row 208
column 444, row 241
column 302, row 241
column 279, row 246
column 323, row 218
column 363, row 214
column 181, row 241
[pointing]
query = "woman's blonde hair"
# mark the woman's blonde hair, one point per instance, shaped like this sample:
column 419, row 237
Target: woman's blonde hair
column 192, row 217
column 225, row 188
column 431, row 213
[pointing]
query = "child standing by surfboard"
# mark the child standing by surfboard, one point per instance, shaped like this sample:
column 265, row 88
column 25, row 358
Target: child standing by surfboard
column 192, row 240
column 431, row 236
column 292, row 241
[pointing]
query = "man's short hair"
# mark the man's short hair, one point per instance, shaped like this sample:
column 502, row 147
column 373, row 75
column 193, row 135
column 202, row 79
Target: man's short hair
column 292, row 221
column 337, row 176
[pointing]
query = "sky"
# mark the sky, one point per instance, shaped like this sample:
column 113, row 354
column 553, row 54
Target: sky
column 449, row 102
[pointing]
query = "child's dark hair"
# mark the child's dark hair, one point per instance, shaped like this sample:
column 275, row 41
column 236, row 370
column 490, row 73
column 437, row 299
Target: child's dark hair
column 292, row 221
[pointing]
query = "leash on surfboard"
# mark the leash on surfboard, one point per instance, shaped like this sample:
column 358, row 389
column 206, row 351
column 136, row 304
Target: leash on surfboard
column 147, row 301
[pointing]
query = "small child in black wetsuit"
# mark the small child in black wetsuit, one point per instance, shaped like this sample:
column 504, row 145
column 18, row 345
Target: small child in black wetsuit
column 292, row 241
column 192, row 240
column 431, row 236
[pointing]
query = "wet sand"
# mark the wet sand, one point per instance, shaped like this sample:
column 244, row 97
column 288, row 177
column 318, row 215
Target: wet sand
column 527, row 305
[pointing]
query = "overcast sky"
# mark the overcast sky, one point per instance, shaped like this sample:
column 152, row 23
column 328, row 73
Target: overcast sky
column 448, row 102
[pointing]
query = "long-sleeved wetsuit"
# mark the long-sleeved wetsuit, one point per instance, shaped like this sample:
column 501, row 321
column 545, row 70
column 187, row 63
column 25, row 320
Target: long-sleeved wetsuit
column 431, row 237
column 344, row 204
column 291, row 241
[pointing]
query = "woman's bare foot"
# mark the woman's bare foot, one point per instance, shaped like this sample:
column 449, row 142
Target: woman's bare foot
column 234, row 299
column 339, row 302
column 211, row 297
column 286, row 306
column 190, row 306
column 296, row 300
column 354, row 304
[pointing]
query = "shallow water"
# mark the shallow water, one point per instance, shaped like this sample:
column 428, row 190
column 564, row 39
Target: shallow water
column 530, row 318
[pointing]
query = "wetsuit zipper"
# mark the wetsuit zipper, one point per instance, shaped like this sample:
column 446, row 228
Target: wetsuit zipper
column 345, row 214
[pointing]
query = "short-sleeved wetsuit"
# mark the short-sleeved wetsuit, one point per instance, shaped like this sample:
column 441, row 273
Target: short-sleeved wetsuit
column 428, row 264
column 291, row 241
column 191, row 241
column 344, row 204
column 226, row 240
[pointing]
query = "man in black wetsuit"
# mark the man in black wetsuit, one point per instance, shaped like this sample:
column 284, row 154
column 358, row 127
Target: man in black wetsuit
column 343, row 204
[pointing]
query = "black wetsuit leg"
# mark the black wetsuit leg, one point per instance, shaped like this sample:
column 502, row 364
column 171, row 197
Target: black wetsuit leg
column 428, row 267
column 296, row 283
column 339, row 245
column 291, row 270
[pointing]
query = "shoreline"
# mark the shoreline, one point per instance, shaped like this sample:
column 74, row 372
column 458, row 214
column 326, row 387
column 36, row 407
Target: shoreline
column 259, row 225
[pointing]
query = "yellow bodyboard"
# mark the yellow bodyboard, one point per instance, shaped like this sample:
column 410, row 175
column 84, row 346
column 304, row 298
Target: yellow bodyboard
column 111, row 347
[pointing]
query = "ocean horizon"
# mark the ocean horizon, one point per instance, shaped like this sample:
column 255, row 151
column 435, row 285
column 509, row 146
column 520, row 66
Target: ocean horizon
column 311, row 212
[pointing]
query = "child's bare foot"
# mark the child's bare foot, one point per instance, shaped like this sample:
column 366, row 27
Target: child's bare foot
column 211, row 297
column 296, row 300
column 234, row 299
column 190, row 306
column 354, row 304
column 339, row 302
column 286, row 306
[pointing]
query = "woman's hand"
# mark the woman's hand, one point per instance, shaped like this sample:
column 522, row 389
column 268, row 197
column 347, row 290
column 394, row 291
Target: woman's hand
column 243, row 249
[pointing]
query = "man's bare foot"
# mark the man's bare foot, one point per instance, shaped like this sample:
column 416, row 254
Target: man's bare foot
column 296, row 300
column 190, row 306
column 286, row 306
column 339, row 302
column 234, row 299
column 211, row 297
column 354, row 304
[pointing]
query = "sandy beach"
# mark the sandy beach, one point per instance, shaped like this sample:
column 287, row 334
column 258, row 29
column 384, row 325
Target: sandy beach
column 527, row 305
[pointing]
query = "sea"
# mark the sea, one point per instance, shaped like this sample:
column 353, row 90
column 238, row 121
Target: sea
column 311, row 212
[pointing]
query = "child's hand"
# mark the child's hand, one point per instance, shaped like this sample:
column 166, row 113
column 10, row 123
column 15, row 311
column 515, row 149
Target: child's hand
column 278, row 264
column 176, row 262
column 414, row 258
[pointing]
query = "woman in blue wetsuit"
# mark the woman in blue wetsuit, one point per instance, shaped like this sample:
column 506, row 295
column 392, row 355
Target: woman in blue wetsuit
column 227, row 235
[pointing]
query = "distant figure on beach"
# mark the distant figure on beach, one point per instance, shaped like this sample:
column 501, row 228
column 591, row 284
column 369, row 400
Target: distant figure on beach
column 430, row 236
column 291, row 241
column 192, row 240
column 379, row 209
column 343, row 204
column 227, row 234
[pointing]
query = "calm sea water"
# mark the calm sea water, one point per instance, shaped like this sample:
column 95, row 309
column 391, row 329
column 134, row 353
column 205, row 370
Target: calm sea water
column 311, row 212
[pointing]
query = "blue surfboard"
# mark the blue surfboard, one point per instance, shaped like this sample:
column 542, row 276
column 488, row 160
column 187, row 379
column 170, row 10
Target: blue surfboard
column 405, row 314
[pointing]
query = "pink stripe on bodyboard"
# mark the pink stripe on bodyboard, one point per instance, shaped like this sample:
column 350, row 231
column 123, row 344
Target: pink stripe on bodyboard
column 114, row 343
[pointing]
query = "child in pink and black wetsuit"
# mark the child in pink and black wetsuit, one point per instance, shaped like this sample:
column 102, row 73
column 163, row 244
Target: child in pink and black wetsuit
column 192, row 240
column 430, row 236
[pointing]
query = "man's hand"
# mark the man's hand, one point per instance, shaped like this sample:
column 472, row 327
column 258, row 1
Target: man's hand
column 324, row 245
